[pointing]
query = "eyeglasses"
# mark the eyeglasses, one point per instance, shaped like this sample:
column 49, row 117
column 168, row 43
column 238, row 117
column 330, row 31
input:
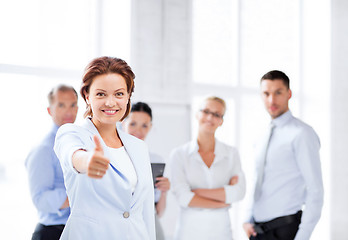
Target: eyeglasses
column 214, row 114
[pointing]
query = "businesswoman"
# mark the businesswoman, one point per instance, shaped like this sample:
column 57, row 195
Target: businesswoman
column 107, row 172
column 139, row 123
column 207, row 179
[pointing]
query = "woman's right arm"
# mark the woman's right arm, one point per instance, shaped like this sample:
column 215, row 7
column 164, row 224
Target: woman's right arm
column 93, row 163
column 70, row 148
column 80, row 160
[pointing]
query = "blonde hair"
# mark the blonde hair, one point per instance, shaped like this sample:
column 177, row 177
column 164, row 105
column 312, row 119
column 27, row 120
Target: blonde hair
column 217, row 99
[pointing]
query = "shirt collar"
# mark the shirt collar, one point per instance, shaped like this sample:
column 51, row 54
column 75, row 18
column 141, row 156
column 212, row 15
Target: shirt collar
column 193, row 147
column 218, row 149
column 54, row 128
column 282, row 119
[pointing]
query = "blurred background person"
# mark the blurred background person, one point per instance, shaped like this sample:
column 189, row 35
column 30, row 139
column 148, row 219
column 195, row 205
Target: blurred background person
column 288, row 171
column 206, row 178
column 139, row 123
column 107, row 172
column 44, row 171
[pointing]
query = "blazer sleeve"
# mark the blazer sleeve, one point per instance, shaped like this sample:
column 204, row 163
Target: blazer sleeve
column 69, row 139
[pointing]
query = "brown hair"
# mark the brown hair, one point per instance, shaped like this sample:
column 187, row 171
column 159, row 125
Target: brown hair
column 277, row 75
column 59, row 88
column 107, row 65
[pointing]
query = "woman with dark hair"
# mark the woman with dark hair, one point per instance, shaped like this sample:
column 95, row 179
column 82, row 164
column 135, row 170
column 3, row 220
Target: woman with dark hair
column 106, row 171
column 139, row 123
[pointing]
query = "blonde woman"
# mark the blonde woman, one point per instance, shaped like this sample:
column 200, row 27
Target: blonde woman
column 206, row 178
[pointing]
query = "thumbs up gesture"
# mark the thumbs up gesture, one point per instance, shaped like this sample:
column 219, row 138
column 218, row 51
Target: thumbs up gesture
column 98, row 164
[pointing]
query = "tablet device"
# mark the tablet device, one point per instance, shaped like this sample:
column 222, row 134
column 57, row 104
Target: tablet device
column 157, row 170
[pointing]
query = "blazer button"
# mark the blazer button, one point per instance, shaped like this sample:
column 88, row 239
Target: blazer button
column 126, row 214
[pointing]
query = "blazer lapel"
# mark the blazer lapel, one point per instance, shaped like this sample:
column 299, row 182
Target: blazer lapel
column 88, row 124
column 132, row 149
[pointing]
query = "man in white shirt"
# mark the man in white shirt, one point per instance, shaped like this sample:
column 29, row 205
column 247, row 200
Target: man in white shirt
column 288, row 171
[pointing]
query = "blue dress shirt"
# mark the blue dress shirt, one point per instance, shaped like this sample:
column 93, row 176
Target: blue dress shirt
column 292, row 175
column 46, row 182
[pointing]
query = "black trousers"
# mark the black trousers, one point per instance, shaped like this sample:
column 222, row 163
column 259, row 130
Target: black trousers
column 43, row 232
column 285, row 232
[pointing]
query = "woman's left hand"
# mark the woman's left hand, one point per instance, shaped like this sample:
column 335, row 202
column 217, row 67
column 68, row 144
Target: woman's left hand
column 163, row 184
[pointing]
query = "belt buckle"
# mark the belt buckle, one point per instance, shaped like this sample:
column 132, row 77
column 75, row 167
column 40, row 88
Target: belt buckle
column 259, row 229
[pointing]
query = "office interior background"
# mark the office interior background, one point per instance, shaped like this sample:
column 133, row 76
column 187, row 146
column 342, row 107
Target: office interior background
column 180, row 51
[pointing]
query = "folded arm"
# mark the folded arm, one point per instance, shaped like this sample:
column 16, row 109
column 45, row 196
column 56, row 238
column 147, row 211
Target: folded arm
column 202, row 202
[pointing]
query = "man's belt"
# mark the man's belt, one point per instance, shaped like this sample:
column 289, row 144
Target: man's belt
column 262, row 227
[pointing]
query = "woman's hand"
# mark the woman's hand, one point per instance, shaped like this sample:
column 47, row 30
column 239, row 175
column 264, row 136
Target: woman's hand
column 98, row 163
column 233, row 180
column 163, row 184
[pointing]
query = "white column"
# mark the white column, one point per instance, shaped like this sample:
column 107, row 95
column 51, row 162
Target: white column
column 339, row 119
column 161, row 60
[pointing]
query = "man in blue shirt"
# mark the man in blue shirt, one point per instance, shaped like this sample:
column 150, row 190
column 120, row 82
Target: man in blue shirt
column 44, row 171
column 288, row 171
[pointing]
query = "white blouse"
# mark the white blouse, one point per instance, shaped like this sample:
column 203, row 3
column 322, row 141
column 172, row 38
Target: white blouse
column 124, row 165
column 188, row 172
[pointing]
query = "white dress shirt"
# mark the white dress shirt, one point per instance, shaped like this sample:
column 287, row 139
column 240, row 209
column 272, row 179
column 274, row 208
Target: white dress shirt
column 188, row 171
column 124, row 165
column 292, row 175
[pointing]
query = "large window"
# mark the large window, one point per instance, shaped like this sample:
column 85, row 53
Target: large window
column 234, row 44
column 44, row 43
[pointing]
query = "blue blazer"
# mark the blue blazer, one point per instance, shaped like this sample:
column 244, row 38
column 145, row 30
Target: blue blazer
column 106, row 208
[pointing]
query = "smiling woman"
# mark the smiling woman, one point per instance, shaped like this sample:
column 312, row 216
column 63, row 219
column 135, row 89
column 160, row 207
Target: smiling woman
column 86, row 151
column 108, row 98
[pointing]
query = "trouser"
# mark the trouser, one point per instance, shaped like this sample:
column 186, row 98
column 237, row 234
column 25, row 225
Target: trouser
column 51, row 232
column 282, row 228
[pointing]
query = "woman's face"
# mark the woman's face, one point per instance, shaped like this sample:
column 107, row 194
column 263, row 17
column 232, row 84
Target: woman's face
column 210, row 116
column 138, row 124
column 108, row 98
